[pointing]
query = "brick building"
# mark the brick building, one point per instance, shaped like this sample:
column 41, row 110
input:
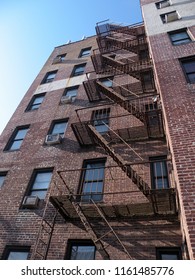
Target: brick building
column 97, row 162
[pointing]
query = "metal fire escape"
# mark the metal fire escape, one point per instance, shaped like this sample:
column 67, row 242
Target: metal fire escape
column 122, row 61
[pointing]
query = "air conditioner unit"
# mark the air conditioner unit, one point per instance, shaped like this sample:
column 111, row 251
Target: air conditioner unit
column 53, row 139
column 30, row 201
column 171, row 17
column 164, row 4
column 66, row 99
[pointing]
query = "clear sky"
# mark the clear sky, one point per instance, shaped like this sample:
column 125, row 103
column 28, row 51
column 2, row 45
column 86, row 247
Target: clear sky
column 31, row 29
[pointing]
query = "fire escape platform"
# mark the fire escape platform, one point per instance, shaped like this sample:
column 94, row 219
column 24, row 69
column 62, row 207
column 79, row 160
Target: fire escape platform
column 85, row 138
column 160, row 202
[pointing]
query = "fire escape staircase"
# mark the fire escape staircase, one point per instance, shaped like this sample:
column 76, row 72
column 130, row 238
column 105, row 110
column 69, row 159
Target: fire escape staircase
column 95, row 236
column 122, row 101
column 130, row 172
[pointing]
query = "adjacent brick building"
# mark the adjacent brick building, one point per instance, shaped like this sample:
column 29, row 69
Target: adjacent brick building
column 98, row 160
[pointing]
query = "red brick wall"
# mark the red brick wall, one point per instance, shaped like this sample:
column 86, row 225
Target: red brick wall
column 178, row 105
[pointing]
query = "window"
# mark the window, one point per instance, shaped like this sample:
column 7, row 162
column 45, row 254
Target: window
column 162, row 4
column 59, row 127
column 35, row 102
column 49, row 77
column 17, row 138
column 61, row 57
column 71, row 92
column 81, row 250
column 92, row 180
column 2, row 178
column 107, row 81
column 40, row 182
column 100, row 120
column 159, row 173
column 179, row 37
column 168, row 254
column 85, row 52
column 16, row 253
column 189, row 69
column 78, row 69
column 169, row 17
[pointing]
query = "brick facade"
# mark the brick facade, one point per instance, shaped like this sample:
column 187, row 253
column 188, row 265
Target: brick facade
column 143, row 219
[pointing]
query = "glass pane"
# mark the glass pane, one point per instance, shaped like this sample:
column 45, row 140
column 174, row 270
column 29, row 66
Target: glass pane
column 2, row 178
column 92, row 187
column 34, row 107
column 38, row 100
column 16, row 145
column 101, row 128
column 181, row 42
column 83, row 253
column 191, row 77
column 179, row 36
column 107, row 83
column 161, row 183
column 42, row 180
column 51, row 76
column 72, row 92
column 86, row 52
column 21, row 133
column 189, row 66
column 18, row 256
column 169, row 256
column 41, row 194
column 79, row 69
column 160, row 169
column 59, row 128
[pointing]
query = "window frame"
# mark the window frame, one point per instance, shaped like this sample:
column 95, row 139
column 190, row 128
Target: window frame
column 46, row 78
column 15, row 248
column 69, row 89
column 32, row 181
column 55, row 122
column 78, row 242
column 3, row 175
column 169, row 251
column 81, row 55
column 105, row 117
column 154, row 177
column 89, row 195
column 74, row 74
column 13, row 139
column 182, row 61
column 178, row 31
column 32, row 102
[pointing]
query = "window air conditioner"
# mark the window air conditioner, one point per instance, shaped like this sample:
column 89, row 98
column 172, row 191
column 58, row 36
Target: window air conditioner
column 164, row 4
column 53, row 139
column 66, row 99
column 171, row 17
column 30, row 201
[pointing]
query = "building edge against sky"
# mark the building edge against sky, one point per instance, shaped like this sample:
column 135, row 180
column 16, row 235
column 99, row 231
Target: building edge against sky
column 98, row 160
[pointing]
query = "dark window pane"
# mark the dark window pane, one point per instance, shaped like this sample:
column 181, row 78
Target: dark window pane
column 169, row 256
column 189, row 66
column 42, row 180
column 191, row 78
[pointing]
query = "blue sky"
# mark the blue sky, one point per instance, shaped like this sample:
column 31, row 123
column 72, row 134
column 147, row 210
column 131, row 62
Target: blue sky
column 31, row 29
